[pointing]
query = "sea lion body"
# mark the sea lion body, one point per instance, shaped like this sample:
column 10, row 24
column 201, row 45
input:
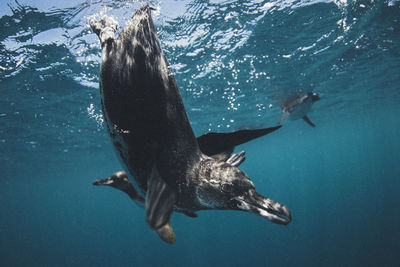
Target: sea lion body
column 297, row 107
column 148, row 125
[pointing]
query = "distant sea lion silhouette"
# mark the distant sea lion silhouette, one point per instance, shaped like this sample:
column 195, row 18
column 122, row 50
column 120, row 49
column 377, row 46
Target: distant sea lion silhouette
column 148, row 125
column 297, row 107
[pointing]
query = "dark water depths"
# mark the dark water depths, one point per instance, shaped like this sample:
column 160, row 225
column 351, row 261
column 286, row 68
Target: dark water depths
column 234, row 61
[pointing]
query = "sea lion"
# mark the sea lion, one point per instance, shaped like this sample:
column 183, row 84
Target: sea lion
column 147, row 122
column 297, row 107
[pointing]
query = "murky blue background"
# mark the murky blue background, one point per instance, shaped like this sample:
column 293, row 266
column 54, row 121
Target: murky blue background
column 234, row 61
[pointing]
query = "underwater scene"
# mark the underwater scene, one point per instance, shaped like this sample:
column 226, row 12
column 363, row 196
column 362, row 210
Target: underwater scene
column 327, row 71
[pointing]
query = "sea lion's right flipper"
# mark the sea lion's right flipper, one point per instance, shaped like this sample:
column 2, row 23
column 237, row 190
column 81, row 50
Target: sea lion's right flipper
column 306, row 119
column 237, row 159
column 105, row 29
column 223, row 156
column 190, row 214
column 160, row 200
column 216, row 143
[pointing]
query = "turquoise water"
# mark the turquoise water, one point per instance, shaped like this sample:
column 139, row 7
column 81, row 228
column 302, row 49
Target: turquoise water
column 233, row 61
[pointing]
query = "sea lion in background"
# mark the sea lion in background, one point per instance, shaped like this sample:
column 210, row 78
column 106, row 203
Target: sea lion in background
column 297, row 107
column 147, row 122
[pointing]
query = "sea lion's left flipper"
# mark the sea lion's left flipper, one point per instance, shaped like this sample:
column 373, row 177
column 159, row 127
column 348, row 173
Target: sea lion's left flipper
column 120, row 181
column 216, row 143
column 306, row 119
column 159, row 204
column 166, row 233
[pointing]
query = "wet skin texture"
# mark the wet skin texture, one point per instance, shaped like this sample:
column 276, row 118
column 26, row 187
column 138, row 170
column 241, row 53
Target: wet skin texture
column 169, row 168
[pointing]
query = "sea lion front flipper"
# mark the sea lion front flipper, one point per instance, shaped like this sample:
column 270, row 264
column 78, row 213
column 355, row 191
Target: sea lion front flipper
column 166, row 233
column 120, row 181
column 160, row 200
column 223, row 156
column 216, row 143
column 237, row 159
column 306, row 119
column 190, row 214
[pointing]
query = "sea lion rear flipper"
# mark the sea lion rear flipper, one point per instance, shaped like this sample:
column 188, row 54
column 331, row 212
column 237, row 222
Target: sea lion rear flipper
column 160, row 200
column 216, row 143
column 306, row 119
column 105, row 29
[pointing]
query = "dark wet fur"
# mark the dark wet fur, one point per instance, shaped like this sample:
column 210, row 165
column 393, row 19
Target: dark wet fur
column 147, row 122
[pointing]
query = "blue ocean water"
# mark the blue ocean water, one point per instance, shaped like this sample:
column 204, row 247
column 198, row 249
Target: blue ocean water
column 233, row 61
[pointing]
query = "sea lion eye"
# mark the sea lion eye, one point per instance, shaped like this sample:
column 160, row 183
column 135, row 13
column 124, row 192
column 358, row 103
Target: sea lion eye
column 227, row 187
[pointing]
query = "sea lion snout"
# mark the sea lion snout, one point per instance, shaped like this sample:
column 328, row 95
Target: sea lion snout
column 255, row 203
